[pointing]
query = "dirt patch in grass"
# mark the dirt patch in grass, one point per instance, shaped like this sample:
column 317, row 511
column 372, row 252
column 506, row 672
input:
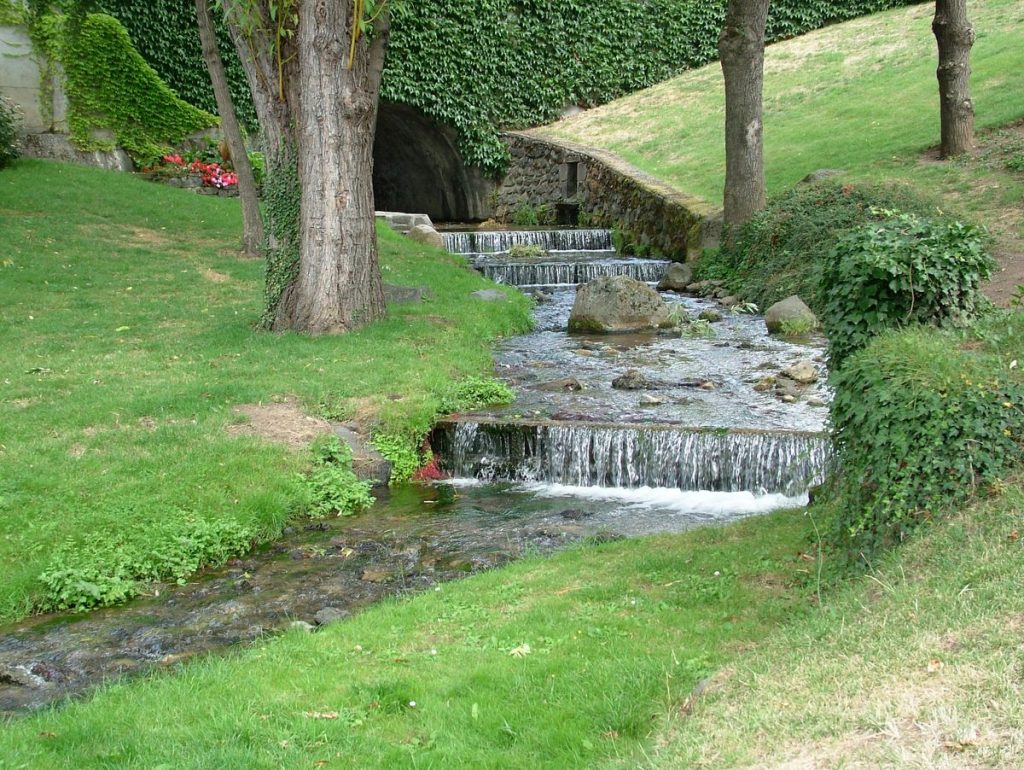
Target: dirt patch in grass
column 281, row 422
column 213, row 275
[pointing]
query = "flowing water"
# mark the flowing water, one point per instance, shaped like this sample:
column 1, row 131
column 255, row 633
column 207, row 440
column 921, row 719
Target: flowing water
column 572, row 458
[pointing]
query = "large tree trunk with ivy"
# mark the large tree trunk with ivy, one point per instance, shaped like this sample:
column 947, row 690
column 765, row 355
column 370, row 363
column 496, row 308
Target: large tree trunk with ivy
column 741, row 49
column 252, row 221
column 317, row 118
column 955, row 37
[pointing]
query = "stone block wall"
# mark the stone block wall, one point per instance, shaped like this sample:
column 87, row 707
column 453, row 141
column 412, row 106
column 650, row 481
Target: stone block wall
column 562, row 177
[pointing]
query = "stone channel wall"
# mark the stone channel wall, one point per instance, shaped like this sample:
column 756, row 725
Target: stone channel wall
column 564, row 180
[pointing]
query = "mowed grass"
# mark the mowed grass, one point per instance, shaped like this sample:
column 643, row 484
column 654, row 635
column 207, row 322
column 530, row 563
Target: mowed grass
column 851, row 96
column 549, row 663
column 126, row 339
column 917, row 665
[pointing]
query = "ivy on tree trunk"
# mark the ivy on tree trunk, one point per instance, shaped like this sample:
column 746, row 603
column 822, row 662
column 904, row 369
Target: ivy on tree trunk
column 741, row 50
column 955, row 38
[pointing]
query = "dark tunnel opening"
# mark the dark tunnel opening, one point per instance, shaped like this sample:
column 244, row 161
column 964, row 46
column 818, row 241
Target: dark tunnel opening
column 417, row 168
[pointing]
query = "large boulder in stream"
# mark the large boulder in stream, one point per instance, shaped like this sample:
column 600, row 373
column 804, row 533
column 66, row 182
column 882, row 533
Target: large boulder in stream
column 612, row 304
column 676, row 278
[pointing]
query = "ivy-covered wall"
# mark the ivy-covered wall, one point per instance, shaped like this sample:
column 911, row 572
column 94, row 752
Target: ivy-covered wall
column 114, row 97
column 484, row 65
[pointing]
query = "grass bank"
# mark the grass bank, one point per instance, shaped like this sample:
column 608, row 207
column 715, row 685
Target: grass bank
column 853, row 96
column 549, row 663
column 126, row 336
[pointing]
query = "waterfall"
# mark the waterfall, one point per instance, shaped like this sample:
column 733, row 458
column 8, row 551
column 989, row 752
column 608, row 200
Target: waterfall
column 554, row 273
column 633, row 456
column 500, row 241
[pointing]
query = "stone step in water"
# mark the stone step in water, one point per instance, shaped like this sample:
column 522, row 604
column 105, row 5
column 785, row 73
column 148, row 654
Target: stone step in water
column 588, row 455
column 555, row 273
column 500, row 241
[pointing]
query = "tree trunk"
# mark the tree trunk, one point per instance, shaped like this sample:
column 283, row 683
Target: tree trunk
column 339, row 283
column 955, row 37
column 741, row 49
column 317, row 118
column 252, row 221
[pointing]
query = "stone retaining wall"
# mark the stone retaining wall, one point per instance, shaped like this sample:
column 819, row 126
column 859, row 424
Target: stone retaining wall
column 561, row 178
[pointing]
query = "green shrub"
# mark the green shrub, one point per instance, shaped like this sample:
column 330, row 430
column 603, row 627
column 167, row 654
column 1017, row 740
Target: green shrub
column 332, row 486
column 110, row 570
column 922, row 419
column 476, row 393
column 9, row 118
column 402, row 452
column 783, row 249
column 902, row 270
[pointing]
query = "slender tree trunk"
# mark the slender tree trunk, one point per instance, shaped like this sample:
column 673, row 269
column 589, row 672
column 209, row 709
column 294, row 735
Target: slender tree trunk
column 339, row 283
column 741, row 49
column 955, row 37
column 252, row 221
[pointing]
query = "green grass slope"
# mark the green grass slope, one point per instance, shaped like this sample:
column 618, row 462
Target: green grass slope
column 126, row 340
column 850, row 96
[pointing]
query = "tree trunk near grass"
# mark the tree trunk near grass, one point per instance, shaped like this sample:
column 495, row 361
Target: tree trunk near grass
column 252, row 220
column 339, row 283
column 317, row 118
column 741, row 50
column 955, row 37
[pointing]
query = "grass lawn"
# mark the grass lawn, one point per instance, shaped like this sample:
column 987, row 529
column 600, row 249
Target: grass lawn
column 126, row 335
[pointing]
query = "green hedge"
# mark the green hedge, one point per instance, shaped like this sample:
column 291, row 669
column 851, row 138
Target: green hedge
column 922, row 420
column 481, row 65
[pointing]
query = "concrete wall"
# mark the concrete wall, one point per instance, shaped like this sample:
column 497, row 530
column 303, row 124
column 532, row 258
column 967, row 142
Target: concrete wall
column 567, row 178
column 20, row 81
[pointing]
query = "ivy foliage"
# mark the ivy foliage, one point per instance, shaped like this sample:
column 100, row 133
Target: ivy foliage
column 784, row 248
column 9, row 120
column 902, row 270
column 923, row 419
column 110, row 87
column 12, row 13
column 484, row 65
column 282, row 198
column 165, row 33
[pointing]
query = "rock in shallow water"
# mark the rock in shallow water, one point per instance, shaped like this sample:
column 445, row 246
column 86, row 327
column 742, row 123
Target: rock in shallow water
column 612, row 304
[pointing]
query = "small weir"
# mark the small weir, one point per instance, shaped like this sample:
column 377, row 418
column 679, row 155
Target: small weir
column 569, row 272
column 500, row 241
column 586, row 455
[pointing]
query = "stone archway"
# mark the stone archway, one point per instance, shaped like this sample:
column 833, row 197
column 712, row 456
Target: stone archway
column 417, row 168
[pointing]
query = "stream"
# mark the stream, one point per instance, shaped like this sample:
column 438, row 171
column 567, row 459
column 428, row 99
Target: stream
column 557, row 466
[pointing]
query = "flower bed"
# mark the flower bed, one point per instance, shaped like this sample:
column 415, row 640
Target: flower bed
column 205, row 176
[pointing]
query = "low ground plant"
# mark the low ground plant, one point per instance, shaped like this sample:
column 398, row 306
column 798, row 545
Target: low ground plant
column 331, row 484
column 902, row 270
